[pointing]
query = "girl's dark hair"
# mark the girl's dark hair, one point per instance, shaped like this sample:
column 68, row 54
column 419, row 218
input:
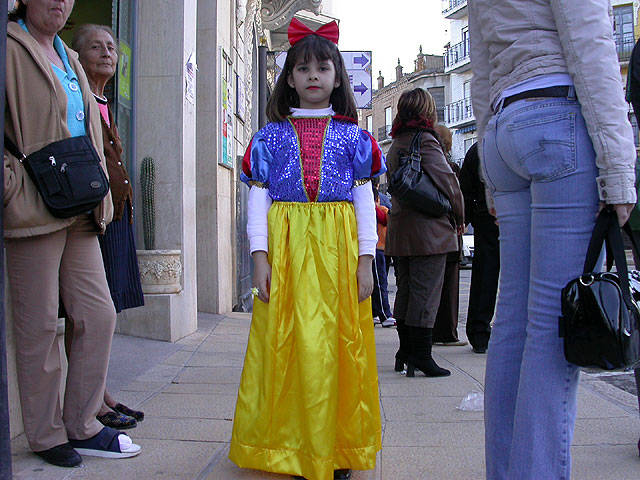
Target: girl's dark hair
column 284, row 97
column 19, row 12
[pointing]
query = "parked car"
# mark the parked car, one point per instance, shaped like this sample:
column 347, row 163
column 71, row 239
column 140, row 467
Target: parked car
column 467, row 250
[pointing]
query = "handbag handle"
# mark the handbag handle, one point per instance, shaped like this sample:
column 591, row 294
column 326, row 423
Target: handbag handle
column 607, row 230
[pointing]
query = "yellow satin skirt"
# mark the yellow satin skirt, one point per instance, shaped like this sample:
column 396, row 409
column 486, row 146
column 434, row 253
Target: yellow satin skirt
column 308, row 399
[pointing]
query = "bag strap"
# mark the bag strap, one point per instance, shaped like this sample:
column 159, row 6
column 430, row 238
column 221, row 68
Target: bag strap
column 13, row 149
column 415, row 144
column 607, row 230
column 614, row 238
column 597, row 240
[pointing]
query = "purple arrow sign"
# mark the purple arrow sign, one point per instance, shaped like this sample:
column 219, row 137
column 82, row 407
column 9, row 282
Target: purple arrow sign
column 361, row 89
column 362, row 60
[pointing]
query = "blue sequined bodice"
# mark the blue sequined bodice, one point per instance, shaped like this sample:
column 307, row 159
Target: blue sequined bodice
column 286, row 182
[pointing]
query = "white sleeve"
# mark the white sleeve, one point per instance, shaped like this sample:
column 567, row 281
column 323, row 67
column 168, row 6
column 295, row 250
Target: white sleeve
column 365, row 208
column 257, row 227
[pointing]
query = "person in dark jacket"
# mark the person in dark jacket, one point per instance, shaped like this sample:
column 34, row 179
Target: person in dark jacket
column 633, row 97
column 420, row 243
column 486, row 256
column 445, row 330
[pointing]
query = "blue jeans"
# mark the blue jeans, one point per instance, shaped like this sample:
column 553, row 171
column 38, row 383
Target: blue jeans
column 539, row 164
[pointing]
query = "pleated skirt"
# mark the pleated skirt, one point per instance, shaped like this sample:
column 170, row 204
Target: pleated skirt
column 308, row 400
column 118, row 248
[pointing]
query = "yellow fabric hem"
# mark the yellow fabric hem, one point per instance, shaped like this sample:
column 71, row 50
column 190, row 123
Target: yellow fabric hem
column 297, row 462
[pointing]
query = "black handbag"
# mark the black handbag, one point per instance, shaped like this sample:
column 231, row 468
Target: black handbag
column 600, row 321
column 414, row 188
column 67, row 174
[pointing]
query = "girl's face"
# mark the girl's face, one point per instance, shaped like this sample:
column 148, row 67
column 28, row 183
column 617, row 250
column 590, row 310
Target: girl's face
column 314, row 82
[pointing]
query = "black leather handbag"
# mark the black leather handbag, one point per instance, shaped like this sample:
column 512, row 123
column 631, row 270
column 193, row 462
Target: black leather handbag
column 67, row 174
column 414, row 188
column 600, row 321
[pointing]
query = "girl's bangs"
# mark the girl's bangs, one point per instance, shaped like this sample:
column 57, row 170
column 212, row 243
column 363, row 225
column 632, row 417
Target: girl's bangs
column 312, row 47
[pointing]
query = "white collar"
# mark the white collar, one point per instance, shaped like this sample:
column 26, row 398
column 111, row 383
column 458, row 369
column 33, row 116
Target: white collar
column 313, row 112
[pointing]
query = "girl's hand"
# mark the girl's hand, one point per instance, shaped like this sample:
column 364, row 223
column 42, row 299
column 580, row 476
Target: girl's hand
column 623, row 210
column 365, row 277
column 262, row 275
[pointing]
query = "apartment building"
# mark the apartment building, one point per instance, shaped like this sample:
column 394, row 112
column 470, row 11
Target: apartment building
column 428, row 74
column 458, row 111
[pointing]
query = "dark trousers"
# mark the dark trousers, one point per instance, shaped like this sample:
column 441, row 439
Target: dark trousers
column 380, row 295
column 419, row 281
column 484, row 280
column 446, row 326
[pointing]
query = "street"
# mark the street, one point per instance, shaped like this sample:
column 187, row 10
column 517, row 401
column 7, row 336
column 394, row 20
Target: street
column 188, row 391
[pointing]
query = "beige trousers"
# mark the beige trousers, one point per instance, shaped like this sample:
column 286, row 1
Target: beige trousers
column 66, row 263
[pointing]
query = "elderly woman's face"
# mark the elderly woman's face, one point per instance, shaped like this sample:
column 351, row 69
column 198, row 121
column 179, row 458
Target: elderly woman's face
column 98, row 55
column 48, row 16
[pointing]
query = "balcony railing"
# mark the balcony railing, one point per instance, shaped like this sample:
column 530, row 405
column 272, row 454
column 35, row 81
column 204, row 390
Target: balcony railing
column 456, row 54
column 459, row 111
column 453, row 5
column 384, row 133
column 624, row 47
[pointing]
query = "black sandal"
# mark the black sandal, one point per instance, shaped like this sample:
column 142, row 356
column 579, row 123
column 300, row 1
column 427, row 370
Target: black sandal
column 123, row 409
column 117, row 420
column 344, row 474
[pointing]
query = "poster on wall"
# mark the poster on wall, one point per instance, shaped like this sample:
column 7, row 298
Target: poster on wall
column 225, row 157
column 124, row 74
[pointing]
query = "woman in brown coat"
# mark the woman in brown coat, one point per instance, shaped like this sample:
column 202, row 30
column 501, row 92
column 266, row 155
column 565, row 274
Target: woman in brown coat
column 419, row 242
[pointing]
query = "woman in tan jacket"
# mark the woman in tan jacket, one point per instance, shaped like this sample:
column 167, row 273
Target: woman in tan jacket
column 419, row 242
column 48, row 99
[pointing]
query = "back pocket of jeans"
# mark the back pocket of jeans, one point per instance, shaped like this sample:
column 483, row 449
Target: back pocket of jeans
column 546, row 146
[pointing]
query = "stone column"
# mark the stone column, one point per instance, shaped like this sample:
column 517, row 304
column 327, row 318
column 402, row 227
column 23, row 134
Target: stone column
column 166, row 131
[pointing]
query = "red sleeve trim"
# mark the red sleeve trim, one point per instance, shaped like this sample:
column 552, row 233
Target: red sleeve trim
column 246, row 160
column 376, row 154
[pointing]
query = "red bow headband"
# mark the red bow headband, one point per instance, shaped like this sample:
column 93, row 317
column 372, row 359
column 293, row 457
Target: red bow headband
column 298, row 30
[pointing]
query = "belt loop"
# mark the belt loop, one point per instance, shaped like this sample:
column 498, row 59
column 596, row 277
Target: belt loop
column 498, row 106
column 571, row 94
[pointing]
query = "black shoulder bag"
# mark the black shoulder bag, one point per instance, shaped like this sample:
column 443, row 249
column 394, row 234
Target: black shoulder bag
column 414, row 188
column 600, row 321
column 67, row 174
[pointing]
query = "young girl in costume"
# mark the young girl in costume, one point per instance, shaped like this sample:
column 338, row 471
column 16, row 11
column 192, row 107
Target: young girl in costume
column 308, row 399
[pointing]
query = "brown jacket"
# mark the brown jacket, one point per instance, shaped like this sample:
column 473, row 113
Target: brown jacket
column 412, row 233
column 35, row 116
column 119, row 180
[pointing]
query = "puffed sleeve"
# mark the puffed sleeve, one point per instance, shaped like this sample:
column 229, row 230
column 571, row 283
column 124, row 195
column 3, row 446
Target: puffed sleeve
column 369, row 160
column 256, row 162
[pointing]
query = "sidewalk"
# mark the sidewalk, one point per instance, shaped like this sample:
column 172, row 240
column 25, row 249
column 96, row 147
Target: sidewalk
column 188, row 397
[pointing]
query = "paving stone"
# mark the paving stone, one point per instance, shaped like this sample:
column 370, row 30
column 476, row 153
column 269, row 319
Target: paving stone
column 227, row 359
column 432, row 463
column 210, row 375
column 434, row 434
column 191, row 429
column 190, row 405
column 427, row 410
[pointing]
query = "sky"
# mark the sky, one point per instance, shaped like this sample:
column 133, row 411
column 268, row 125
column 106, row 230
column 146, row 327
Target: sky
column 391, row 29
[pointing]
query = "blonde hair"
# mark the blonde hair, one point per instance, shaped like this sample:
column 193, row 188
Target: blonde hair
column 416, row 104
column 446, row 139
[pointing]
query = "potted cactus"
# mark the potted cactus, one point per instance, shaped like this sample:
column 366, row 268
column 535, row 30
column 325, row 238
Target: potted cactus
column 160, row 270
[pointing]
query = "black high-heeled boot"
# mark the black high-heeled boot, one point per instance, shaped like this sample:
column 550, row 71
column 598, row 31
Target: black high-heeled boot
column 403, row 350
column 420, row 357
column 344, row 474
